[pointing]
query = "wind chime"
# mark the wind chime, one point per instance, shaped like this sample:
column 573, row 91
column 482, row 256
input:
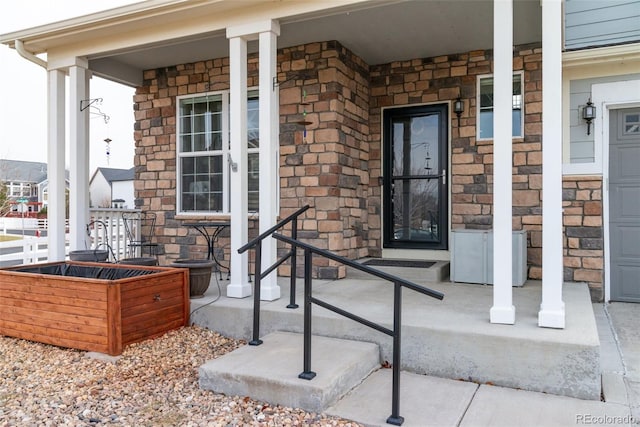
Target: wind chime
column 304, row 122
column 108, row 148
column 427, row 159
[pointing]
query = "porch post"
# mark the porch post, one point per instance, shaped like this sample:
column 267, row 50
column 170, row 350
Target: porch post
column 79, row 156
column 503, row 310
column 269, row 144
column 55, row 165
column 552, row 313
column 239, row 286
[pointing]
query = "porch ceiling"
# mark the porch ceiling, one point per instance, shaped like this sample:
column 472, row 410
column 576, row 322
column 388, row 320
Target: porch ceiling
column 379, row 31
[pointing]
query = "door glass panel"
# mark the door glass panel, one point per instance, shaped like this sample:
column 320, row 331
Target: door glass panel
column 415, row 146
column 416, row 210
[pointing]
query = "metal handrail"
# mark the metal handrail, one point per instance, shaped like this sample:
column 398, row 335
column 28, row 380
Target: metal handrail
column 398, row 283
column 259, row 274
column 270, row 231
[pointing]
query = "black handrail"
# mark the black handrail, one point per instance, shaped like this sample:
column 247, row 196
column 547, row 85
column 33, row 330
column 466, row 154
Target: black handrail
column 259, row 275
column 398, row 283
column 270, row 231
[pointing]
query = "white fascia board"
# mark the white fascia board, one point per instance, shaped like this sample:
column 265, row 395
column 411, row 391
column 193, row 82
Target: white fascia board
column 140, row 8
column 601, row 55
column 159, row 21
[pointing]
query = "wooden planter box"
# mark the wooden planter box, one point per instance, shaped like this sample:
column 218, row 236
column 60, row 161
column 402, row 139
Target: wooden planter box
column 102, row 311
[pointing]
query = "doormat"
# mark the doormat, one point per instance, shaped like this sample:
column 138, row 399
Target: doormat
column 399, row 263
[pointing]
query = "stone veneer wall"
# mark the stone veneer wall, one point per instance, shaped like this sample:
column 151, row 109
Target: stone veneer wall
column 583, row 232
column 327, row 169
column 336, row 167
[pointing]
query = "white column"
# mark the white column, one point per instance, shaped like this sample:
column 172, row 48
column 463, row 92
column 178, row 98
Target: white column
column 503, row 310
column 239, row 286
column 55, row 164
column 79, row 157
column 269, row 125
column 551, row 313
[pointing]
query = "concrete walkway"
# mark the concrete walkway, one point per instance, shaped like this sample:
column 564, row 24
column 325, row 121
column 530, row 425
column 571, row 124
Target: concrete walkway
column 430, row 401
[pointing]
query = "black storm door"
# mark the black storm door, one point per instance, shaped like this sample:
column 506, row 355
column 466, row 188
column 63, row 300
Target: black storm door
column 415, row 177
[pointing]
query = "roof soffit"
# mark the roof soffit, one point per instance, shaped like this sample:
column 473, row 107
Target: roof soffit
column 379, row 31
column 165, row 20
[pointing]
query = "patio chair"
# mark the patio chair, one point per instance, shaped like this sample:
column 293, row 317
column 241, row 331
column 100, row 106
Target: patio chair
column 140, row 229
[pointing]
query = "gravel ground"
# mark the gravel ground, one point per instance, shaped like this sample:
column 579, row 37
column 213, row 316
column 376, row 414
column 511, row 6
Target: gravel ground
column 154, row 383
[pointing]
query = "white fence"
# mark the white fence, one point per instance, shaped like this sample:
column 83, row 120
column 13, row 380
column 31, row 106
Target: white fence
column 105, row 231
column 29, row 250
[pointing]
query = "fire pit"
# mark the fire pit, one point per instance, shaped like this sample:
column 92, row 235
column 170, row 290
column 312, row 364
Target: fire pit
column 92, row 306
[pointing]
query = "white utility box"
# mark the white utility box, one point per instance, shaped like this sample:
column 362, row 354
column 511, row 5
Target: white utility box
column 472, row 256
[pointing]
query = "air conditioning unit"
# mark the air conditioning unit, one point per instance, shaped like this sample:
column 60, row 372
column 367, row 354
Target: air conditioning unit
column 472, row 256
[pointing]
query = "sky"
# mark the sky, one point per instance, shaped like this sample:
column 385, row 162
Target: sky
column 23, row 92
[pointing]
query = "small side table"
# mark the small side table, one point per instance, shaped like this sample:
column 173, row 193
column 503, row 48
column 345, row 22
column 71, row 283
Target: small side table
column 211, row 231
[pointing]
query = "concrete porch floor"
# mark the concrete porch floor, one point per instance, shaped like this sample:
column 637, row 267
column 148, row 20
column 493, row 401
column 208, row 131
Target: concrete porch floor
column 448, row 339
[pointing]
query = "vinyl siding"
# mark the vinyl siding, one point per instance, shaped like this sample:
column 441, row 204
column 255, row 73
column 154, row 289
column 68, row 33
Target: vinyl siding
column 582, row 145
column 591, row 23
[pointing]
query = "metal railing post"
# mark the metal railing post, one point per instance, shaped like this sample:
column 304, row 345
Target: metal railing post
column 307, row 373
column 257, row 272
column 395, row 417
column 294, row 265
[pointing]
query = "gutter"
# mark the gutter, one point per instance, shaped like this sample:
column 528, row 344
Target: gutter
column 28, row 55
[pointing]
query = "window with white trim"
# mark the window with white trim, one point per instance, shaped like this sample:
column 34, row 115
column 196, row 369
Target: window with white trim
column 203, row 145
column 485, row 107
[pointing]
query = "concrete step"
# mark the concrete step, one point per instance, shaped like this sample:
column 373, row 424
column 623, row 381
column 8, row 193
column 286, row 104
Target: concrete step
column 451, row 339
column 269, row 372
column 438, row 272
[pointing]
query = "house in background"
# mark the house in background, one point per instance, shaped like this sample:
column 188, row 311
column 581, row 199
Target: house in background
column 112, row 188
column 28, row 181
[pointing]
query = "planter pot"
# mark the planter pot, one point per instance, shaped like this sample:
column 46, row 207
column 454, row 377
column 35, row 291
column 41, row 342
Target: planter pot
column 199, row 274
column 140, row 261
column 94, row 255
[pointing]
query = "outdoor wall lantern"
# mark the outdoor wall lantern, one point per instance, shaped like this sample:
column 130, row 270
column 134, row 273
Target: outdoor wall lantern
column 588, row 114
column 458, row 108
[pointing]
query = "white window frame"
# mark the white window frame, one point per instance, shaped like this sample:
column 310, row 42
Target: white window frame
column 226, row 153
column 522, row 108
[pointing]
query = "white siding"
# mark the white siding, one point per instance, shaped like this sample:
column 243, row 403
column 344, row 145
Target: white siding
column 100, row 192
column 124, row 190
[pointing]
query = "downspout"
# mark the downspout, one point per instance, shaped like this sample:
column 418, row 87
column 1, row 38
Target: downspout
column 28, row 55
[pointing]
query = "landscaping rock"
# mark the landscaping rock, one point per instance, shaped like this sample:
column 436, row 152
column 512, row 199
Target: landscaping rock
column 153, row 383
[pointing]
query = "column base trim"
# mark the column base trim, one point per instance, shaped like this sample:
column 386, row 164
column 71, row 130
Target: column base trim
column 269, row 288
column 269, row 293
column 552, row 318
column 239, row 290
column 503, row 315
